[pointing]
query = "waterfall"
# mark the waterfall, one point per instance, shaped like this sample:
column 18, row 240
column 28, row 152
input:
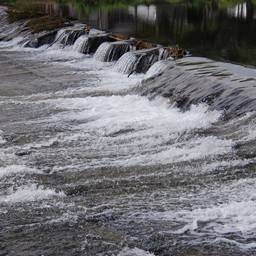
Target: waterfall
column 78, row 45
column 62, row 35
column 137, row 61
column 126, row 63
column 71, row 37
column 111, row 51
column 158, row 67
column 93, row 42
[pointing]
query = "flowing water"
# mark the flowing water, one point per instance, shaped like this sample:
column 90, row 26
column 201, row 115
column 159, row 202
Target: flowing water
column 95, row 162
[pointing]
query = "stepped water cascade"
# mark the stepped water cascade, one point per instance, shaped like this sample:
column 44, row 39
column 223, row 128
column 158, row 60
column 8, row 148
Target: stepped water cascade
column 137, row 61
column 94, row 41
column 112, row 51
column 109, row 150
column 69, row 37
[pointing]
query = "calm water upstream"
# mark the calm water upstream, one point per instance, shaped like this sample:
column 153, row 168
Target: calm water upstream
column 96, row 160
column 209, row 29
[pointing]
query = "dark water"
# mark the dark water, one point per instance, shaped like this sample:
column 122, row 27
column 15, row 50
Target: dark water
column 209, row 29
column 93, row 162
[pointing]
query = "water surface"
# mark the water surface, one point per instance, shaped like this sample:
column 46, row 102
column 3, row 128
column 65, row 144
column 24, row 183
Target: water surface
column 210, row 29
column 94, row 162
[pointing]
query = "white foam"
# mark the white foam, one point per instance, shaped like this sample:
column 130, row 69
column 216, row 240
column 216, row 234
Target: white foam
column 54, row 53
column 201, row 148
column 134, row 252
column 132, row 111
column 245, row 246
column 16, row 169
column 235, row 215
column 13, row 44
column 221, row 219
column 29, row 193
column 158, row 132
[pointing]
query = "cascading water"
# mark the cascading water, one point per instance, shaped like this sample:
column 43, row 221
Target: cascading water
column 159, row 67
column 70, row 40
column 93, row 42
column 69, row 37
column 98, row 169
column 137, row 61
column 79, row 43
column 111, row 51
column 194, row 80
column 126, row 64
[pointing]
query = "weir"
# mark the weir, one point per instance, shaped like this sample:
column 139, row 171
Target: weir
column 137, row 61
column 112, row 51
column 100, row 162
column 93, row 42
column 190, row 81
column 69, row 37
column 183, row 82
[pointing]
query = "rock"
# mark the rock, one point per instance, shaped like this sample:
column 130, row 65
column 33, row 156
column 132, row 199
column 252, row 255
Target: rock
column 46, row 38
column 93, row 42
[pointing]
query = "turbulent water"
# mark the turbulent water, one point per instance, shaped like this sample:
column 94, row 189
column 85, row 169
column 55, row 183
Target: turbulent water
column 93, row 162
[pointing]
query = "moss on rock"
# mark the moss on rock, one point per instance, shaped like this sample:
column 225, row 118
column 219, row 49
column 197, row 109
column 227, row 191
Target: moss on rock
column 47, row 22
column 37, row 21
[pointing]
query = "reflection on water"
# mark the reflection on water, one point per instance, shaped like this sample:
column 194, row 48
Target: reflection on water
column 239, row 11
column 205, row 29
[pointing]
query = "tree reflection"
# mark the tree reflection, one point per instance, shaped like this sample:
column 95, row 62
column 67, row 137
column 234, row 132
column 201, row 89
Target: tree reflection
column 216, row 29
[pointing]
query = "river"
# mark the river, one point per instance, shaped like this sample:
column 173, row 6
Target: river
column 97, row 162
column 219, row 30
